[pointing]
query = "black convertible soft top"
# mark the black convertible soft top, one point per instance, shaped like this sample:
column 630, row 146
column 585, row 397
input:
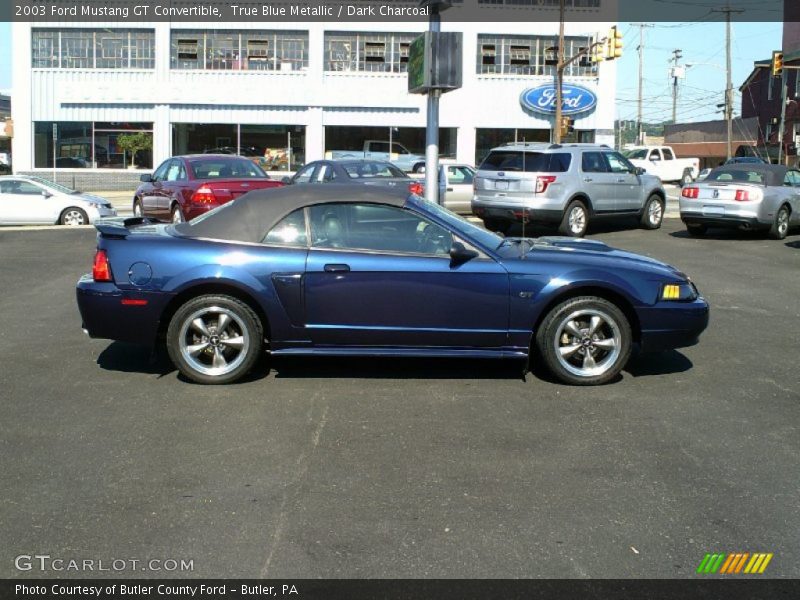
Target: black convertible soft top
column 773, row 175
column 250, row 217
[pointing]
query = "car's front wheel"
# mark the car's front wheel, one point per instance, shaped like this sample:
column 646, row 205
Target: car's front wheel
column 653, row 213
column 74, row 216
column 214, row 339
column 585, row 341
column 575, row 221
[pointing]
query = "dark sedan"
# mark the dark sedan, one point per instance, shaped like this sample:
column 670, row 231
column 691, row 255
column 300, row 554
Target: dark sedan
column 184, row 187
column 360, row 270
column 367, row 172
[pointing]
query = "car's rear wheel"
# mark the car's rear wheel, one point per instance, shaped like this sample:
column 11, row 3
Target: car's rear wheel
column 496, row 225
column 177, row 215
column 137, row 208
column 575, row 221
column 585, row 341
column 780, row 226
column 653, row 213
column 696, row 229
column 74, row 216
column 214, row 339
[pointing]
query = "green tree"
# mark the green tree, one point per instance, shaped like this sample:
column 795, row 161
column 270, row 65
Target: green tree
column 134, row 142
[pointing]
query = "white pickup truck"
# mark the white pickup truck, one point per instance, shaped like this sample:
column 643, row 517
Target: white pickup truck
column 379, row 150
column 661, row 161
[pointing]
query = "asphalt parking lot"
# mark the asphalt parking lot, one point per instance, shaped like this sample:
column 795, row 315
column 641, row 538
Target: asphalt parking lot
column 389, row 468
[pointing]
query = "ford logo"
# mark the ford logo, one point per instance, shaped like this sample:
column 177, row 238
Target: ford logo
column 576, row 99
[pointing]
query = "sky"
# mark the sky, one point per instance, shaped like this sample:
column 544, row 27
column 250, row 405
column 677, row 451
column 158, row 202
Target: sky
column 701, row 43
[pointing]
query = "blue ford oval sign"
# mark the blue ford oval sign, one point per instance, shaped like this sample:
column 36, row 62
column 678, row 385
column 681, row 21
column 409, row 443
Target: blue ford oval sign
column 576, row 99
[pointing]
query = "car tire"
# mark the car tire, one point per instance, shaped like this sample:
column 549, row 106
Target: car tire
column 575, row 221
column 496, row 225
column 200, row 344
column 696, row 229
column 687, row 178
column 73, row 216
column 585, row 341
column 780, row 226
column 418, row 168
column 176, row 216
column 653, row 212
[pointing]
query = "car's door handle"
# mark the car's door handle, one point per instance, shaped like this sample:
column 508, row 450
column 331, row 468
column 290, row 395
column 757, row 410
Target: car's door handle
column 337, row 268
column 621, row 180
column 449, row 190
column 588, row 179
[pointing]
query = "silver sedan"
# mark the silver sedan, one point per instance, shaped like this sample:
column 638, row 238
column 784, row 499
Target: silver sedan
column 744, row 196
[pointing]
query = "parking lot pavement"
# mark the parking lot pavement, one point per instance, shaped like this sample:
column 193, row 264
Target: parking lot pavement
column 405, row 468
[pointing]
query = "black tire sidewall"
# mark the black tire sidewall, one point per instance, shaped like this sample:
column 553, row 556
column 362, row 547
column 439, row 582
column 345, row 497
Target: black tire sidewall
column 547, row 352
column 242, row 310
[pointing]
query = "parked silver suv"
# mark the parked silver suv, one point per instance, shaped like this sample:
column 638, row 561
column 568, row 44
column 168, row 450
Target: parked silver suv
column 563, row 184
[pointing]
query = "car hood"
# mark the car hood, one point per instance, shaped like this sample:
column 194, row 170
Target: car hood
column 586, row 252
column 91, row 198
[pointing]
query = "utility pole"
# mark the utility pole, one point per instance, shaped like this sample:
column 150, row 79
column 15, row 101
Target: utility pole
column 676, row 56
column 729, row 78
column 782, row 130
column 559, row 74
column 640, row 123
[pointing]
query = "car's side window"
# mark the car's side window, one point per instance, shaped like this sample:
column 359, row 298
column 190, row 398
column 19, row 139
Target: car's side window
column 174, row 171
column 593, row 162
column 618, row 163
column 161, row 172
column 323, row 174
column 375, row 228
column 304, row 174
column 668, row 155
column 792, row 179
column 459, row 175
column 21, row 187
column 290, row 231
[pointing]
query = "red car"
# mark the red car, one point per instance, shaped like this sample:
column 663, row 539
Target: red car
column 184, row 187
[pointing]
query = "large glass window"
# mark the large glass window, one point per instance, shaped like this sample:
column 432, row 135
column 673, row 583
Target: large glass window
column 239, row 50
column 93, row 48
column 405, row 140
column 81, row 145
column 359, row 51
column 529, row 55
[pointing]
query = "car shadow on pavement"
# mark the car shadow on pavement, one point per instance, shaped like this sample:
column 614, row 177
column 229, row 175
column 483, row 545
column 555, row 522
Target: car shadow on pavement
column 131, row 358
column 535, row 230
column 662, row 363
column 730, row 235
column 795, row 244
column 394, row 368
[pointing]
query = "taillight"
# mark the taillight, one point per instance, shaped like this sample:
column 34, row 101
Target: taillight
column 690, row 192
column 543, row 181
column 416, row 188
column 204, row 195
column 742, row 196
column 101, row 270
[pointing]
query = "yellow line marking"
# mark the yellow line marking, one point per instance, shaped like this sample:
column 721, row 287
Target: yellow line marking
column 766, row 562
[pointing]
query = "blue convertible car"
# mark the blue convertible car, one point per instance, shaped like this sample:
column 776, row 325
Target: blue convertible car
column 358, row 270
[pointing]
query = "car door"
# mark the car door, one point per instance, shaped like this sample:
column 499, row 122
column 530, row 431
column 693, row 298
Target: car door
column 792, row 180
column 382, row 276
column 598, row 182
column 627, row 186
column 458, row 188
column 23, row 202
column 152, row 190
column 170, row 187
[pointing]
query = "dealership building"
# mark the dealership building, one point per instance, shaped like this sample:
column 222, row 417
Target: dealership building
column 295, row 91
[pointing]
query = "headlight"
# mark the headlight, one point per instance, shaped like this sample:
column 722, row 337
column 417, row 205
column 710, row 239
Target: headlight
column 679, row 292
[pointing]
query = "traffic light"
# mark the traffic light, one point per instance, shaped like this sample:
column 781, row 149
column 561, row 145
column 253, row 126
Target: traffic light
column 598, row 53
column 567, row 126
column 777, row 63
column 614, row 44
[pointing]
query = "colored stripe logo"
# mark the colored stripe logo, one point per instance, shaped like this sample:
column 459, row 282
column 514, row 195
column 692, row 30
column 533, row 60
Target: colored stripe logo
column 734, row 563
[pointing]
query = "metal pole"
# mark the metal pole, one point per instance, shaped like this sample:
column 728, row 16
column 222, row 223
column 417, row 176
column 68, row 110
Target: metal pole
column 782, row 126
column 559, row 74
column 728, row 85
column 432, row 127
column 640, row 133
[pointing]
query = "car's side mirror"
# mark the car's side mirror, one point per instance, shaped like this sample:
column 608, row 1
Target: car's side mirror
column 460, row 254
column 146, row 178
column 46, row 194
column 639, row 171
column 286, row 180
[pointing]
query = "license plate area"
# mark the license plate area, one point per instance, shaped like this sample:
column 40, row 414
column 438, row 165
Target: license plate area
column 501, row 184
column 713, row 211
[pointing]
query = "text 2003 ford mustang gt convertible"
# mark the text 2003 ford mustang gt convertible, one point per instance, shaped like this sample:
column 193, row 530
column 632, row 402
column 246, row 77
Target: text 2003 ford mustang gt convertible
column 367, row 271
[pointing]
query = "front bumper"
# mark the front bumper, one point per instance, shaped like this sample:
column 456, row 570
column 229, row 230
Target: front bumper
column 687, row 320
column 101, row 213
column 105, row 316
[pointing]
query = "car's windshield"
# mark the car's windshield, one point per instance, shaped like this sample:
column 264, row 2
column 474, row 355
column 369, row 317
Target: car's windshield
column 487, row 239
column 640, row 154
column 736, row 175
column 53, row 186
column 223, row 167
column 372, row 170
column 530, row 162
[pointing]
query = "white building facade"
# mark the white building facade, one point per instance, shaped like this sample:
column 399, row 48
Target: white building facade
column 302, row 89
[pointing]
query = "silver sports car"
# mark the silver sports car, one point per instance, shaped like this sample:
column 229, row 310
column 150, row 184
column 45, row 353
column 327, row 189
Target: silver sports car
column 744, row 196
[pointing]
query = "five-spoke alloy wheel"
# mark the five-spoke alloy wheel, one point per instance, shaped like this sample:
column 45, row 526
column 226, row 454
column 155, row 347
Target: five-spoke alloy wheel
column 73, row 217
column 576, row 220
column 585, row 341
column 214, row 339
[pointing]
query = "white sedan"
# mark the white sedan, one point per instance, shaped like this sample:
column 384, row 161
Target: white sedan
column 28, row 200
